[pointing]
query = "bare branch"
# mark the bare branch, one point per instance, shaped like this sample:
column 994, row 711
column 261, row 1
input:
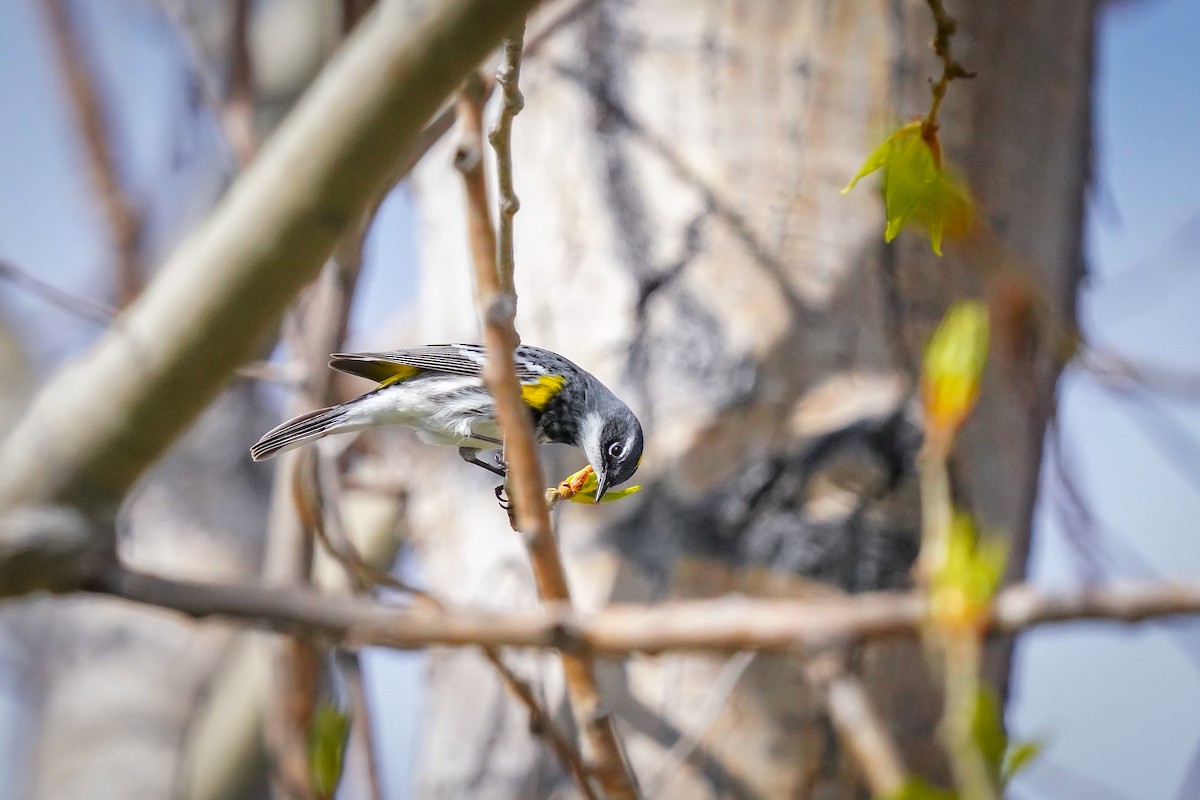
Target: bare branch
column 237, row 114
column 51, row 548
column 234, row 118
column 497, row 308
column 689, row 740
column 360, row 728
column 729, row 624
column 1122, row 373
column 500, row 137
column 951, row 69
column 317, row 327
column 80, row 306
column 543, row 724
column 124, row 221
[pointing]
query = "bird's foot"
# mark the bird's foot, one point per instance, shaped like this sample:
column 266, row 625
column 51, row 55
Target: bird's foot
column 502, row 497
column 470, row 455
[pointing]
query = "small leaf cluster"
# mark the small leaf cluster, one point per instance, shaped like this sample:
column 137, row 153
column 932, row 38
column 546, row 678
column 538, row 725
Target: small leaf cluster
column 917, row 186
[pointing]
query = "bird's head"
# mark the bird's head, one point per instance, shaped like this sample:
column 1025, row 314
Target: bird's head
column 612, row 441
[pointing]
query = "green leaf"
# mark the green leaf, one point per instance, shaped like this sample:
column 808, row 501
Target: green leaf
column 327, row 737
column 587, row 493
column 916, row 186
column 1019, row 756
column 915, row 788
column 988, row 730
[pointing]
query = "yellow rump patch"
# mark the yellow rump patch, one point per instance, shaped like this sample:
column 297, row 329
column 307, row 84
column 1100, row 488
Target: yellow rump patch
column 400, row 372
column 537, row 395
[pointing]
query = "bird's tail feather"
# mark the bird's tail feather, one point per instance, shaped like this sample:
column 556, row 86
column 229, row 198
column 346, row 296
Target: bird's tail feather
column 300, row 430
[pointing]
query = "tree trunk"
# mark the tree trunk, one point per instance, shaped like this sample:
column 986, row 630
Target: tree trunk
column 682, row 235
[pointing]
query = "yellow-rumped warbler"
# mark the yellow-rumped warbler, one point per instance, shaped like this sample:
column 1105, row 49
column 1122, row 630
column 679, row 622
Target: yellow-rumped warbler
column 438, row 390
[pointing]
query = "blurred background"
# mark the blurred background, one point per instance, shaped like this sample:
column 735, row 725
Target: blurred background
column 120, row 132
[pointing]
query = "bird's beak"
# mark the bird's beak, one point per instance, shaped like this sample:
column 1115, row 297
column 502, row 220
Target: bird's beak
column 601, row 484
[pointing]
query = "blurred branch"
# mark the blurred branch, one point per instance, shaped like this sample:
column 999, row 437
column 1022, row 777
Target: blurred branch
column 50, row 548
column 1172, row 437
column 444, row 121
column 857, row 724
column 77, row 304
column 497, row 304
column 542, row 28
column 288, row 375
column 316, row 327
column 353, row 11
column 232, row 108
column 730, row 624
column 1121, row 373
column 124, row 221
column 237, row 115
column 542, row 724
column 223, row 291
column 360, row 725
column 690, row 739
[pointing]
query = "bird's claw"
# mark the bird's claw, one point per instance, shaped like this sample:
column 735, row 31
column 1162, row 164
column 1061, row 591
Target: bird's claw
column 502, row 497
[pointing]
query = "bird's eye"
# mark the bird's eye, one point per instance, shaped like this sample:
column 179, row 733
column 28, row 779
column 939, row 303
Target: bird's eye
column 616, row 449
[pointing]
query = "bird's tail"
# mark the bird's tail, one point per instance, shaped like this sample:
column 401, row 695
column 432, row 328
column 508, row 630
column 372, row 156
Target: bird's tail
column 301, row 430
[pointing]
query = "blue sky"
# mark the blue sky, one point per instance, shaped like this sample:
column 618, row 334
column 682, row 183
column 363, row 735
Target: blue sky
column 1116, row 706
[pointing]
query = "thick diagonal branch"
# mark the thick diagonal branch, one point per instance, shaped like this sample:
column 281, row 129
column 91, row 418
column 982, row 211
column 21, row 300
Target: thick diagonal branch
column 102, row 421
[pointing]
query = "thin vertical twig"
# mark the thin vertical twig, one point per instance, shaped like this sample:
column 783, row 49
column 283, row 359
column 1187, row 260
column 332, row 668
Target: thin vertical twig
column 945, row 27
column 497, row 308
column 360, row 726
column 317, row 327
column 960, row 662
column 508, row 77
column 237, row 113
column 236, row 126
column 124, row 221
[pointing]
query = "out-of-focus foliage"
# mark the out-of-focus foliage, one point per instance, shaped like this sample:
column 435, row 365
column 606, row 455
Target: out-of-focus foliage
column 952, row 368
column 916, row 185
column 1003, row 758
column 920, row 789
column 967, row 576
column 327, row 739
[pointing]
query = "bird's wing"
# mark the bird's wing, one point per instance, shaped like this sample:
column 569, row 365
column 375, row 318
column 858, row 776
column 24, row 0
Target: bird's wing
column 397, row 365
column 539, row 371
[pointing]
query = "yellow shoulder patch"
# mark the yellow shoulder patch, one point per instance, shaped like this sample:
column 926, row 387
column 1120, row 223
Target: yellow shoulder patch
column 400, row 372
column 537, row 395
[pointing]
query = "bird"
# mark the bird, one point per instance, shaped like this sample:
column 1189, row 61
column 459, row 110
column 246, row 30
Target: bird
column 438, row 390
